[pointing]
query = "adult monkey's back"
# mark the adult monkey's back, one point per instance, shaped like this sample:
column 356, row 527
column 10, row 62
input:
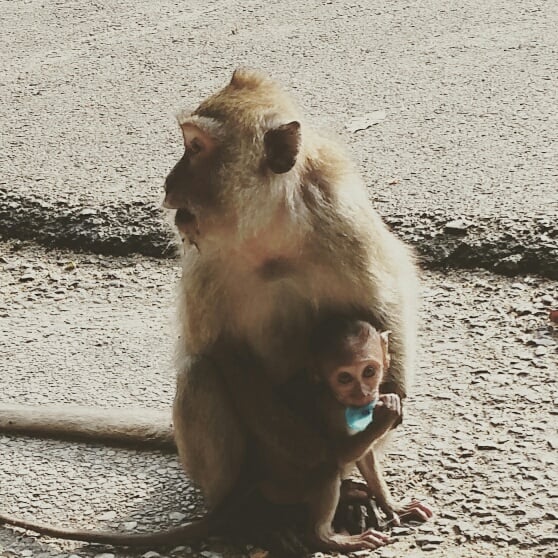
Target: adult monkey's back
column 280, row 228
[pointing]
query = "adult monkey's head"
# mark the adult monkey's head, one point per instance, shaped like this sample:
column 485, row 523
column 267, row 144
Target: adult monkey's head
column 243, row 154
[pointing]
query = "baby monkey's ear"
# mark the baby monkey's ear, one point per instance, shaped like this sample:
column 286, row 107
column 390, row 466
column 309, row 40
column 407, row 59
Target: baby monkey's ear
column 384, row 337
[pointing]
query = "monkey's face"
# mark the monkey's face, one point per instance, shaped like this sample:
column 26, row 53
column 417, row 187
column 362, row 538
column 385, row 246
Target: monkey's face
column 356, row 383
column 189, row 185
column 239, row 146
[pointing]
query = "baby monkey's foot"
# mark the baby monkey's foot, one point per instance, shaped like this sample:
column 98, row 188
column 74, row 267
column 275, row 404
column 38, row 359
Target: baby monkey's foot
column 415, row 511
column 367, row 540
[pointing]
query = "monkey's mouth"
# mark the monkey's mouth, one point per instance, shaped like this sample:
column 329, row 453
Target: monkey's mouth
column 187, row 225
column 185, row 221
column 364, row 399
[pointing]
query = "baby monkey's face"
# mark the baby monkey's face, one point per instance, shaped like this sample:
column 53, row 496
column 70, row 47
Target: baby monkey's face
column 356, row 383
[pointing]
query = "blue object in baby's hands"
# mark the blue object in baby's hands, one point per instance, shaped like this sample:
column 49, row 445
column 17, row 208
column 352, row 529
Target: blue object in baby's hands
column 358, row 418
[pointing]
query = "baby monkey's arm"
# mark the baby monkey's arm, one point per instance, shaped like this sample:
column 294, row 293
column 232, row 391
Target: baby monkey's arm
column 386, row 413
column 371, row 470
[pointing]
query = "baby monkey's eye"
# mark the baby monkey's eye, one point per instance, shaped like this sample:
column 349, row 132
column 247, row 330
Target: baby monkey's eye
column 344, row 378
column 369, row 371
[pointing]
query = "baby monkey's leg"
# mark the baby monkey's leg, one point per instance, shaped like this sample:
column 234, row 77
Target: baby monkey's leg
column 371, row 470
column 323, row 500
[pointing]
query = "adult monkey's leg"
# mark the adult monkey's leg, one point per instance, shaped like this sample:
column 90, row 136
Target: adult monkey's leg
column 210, row 440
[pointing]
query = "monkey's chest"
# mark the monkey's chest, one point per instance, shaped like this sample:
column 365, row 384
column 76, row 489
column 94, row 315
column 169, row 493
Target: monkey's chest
column 275, row 307
column 276, row 269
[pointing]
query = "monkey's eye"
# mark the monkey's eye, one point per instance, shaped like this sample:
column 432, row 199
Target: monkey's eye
column 344, row 378
column 369, row 372
column 196, row 146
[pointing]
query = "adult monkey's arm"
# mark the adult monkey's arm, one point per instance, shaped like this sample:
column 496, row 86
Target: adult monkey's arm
column 265, row 416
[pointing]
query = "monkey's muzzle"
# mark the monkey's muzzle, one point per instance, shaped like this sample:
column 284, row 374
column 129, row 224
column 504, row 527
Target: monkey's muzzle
column 186, row 223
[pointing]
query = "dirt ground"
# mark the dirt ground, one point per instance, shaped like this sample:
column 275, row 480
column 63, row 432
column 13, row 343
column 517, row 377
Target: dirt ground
column 478, row 443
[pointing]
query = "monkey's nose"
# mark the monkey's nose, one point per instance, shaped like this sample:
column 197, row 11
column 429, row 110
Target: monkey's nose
column 168, row 202
column 359, row 393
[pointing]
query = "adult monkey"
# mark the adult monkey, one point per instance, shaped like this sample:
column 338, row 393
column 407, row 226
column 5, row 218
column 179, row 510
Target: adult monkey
column 282, row 229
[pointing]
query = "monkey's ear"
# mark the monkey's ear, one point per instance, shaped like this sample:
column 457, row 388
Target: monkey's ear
column 196, row 140
column 281, row 147
column 385, row 338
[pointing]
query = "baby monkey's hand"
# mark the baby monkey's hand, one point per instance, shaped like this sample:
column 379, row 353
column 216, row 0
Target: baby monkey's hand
column 390, row 402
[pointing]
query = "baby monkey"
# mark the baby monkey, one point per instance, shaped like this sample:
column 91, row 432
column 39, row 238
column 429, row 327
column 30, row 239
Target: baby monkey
column 342, row 397
column 349, row 359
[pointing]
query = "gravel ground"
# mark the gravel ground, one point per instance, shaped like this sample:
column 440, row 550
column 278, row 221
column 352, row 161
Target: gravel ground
column 479, row 441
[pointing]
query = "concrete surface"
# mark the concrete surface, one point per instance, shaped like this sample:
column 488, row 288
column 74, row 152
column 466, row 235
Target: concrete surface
column 478, row 444
column 468, row 90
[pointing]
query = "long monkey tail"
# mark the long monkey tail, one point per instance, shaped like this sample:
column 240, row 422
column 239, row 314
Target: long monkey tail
column 148, row 428
column 191, row 532
column 214, row 523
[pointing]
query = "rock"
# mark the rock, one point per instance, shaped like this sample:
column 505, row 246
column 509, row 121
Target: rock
column 481, row 513
column 107, row 516
column 401, row 531
column 458, row 226
column 509, row 265
column 480, row 371
column 543, row 341
column 177, row 516
column 522, row 309
column 87, row 211
column 429, row 539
